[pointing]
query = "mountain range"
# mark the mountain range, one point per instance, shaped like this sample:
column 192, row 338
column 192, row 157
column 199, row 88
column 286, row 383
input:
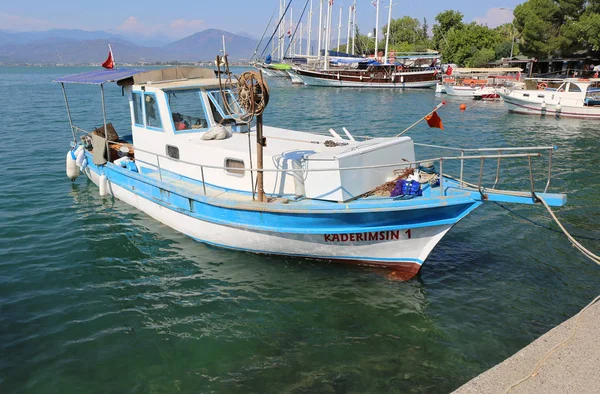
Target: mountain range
column 66, row 46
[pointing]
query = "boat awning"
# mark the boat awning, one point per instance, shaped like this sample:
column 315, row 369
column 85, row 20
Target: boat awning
column 99, row 77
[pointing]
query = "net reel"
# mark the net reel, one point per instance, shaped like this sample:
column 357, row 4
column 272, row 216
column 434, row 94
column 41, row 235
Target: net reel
column 249, row 91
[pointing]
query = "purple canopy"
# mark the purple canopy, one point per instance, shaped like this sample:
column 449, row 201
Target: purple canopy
column 99, row 77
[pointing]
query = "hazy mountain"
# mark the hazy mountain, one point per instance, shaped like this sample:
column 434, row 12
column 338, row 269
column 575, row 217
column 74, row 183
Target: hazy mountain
column 206, row 45
column 79, row 46
column 74, row 34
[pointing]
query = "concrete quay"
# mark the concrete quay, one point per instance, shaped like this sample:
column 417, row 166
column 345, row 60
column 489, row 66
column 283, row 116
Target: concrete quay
column 571, row 368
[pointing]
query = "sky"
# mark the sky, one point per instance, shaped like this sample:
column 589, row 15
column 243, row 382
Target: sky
column 179, row 18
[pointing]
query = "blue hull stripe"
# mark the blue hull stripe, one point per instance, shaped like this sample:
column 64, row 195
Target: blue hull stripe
column 379, row 218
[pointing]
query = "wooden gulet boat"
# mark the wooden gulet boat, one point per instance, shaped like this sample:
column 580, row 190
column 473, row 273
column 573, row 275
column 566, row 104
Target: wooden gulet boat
column 311, row 197
column 371, row 76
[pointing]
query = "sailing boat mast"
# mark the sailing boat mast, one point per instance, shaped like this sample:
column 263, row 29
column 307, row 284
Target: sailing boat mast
column 289, row 32
column 328, row 33
column 353, row 26
column 349, row 24
column 376, row 28
column 339, row 31
column 387, row 35
column 320, row 29
column 308, row 43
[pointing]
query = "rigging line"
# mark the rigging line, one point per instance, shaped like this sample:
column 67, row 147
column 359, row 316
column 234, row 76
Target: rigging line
column 541, row 225
column 276, row 27
column 263, row 35
column 296, row 29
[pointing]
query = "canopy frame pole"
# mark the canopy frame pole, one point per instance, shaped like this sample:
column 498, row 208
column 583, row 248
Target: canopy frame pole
column 104, row 118
column 68, row 112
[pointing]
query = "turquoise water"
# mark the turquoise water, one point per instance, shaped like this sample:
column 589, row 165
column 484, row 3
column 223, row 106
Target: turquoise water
column 96, row 297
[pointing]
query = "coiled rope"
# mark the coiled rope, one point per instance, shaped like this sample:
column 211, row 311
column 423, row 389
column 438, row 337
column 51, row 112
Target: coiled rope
column 588, row 254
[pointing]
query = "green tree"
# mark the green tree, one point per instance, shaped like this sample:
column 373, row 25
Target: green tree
column 481, row 58
column 405, row 30
column 464, row 44
column 446, row 21
column 557, row 27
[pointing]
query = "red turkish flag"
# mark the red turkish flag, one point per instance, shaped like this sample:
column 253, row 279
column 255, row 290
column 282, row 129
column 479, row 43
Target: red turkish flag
column 434, row 120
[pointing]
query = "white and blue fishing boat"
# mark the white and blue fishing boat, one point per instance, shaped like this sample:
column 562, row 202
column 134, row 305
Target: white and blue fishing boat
column 194, row 159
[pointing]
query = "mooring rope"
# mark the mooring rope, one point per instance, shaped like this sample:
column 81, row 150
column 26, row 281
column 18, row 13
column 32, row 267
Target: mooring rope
column 543, row 226
column 588, row 254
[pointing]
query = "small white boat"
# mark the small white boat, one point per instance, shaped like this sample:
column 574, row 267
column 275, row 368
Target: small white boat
column 479, row 83
column 368, row 202
column 575, row 98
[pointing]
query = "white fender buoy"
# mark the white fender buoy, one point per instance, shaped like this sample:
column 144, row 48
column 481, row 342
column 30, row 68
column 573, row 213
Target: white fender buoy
column 72, row 168
column 79, row 155
column 544, row 105
column 103, row 185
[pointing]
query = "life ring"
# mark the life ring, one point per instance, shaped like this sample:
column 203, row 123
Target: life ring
column 542, row 86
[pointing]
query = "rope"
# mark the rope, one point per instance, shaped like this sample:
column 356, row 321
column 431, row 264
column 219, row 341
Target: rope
column 580, row 247
column 588, row 254
column 541, row 225
column 534, row 372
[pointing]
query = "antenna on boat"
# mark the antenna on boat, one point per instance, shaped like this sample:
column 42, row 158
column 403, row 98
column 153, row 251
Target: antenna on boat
column 250, row 94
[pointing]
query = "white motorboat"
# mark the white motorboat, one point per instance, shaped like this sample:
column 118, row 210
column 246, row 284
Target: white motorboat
column 575, row 97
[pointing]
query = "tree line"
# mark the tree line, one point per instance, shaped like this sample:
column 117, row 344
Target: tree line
column 540, row 29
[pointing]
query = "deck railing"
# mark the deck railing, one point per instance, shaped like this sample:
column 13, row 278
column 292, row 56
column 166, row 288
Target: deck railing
column 499, row 155
column 465, row 154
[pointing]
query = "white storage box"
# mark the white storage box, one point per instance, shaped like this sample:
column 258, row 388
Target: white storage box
column 337, row 185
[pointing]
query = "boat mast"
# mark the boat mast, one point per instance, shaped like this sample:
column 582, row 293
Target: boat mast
column 299, row 41
column 339, row 30
column 387, row 35
column 320, row 29
column 224, row 50
column 291, row 43
column 349, row 24
column 309, row 33
column 376, row 28
column 279, row 31
column 353, row 26
column 328, row 33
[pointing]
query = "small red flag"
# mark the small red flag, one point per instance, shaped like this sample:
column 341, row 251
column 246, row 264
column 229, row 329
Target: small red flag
column 109, row 63
column 434, row 120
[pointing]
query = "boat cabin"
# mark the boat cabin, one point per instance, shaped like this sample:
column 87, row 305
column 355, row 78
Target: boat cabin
column 174, row 110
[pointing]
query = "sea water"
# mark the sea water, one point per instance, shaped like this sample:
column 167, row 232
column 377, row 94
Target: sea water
column 96, row 297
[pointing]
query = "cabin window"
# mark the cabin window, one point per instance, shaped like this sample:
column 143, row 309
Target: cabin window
column 152, row 113
column 574, row 88
column 138, row 114
column 232, row 166
column 187, row 111
column 224, row 109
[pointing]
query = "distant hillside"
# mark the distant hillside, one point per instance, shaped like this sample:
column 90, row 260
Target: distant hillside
column 206, row 45
column 81, row 47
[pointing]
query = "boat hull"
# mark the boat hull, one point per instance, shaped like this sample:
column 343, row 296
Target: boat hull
column 375, row 239
column 534, row 108
column 357, row 79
